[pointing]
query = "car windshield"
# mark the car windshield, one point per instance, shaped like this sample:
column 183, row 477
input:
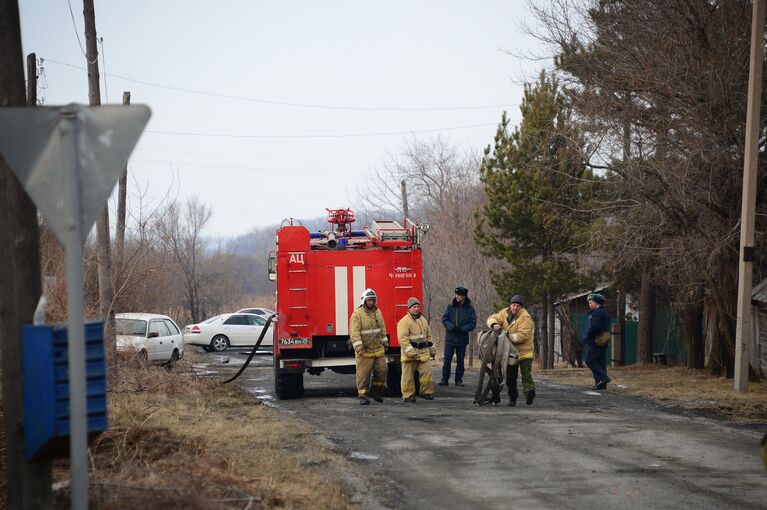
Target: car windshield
column 131, row 327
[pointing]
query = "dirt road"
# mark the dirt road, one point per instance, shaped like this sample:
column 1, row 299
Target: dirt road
column 571, row 449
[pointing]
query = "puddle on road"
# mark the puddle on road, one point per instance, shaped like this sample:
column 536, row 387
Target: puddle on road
column 202, row 369
column 363, row 456
column 260, row 393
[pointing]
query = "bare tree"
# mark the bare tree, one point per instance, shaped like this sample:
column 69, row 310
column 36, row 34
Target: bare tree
column 443, row 190
column 181, row 234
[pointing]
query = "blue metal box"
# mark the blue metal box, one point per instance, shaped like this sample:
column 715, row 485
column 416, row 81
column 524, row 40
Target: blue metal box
column 46, row 388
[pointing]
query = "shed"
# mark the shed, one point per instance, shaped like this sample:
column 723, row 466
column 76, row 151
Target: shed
column 759, row 321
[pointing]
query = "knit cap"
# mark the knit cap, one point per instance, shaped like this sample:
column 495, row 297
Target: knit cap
column 596, row 297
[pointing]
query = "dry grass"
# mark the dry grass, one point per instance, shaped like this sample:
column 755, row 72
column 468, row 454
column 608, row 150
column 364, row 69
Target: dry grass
column 176, row 440
column 695, row 390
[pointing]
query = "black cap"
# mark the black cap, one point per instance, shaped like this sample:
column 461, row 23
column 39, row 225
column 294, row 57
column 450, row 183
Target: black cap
column 462, row 291
column 516, row 298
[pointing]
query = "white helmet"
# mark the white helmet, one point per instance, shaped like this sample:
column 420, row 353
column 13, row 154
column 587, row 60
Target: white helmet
column 367, row 294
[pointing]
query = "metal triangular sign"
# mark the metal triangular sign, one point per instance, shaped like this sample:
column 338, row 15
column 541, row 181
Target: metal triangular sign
column 69, row 158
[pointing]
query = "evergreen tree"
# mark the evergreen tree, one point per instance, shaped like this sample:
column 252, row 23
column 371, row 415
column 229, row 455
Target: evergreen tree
column 537, row 192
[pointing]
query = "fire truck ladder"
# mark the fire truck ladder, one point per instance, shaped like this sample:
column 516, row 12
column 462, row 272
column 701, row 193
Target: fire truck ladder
column 299, row 298
column 403, row 290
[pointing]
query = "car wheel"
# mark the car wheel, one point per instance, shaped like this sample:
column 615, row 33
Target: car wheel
column 173, row 359
column 219, row 343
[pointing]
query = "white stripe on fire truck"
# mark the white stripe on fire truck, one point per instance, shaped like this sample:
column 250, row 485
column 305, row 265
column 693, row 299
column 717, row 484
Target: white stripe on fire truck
column 358, row 282
column 342, row 301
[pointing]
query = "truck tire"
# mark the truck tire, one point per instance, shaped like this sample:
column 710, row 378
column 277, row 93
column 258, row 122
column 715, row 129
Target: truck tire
column 287, row 385
column 393, row 379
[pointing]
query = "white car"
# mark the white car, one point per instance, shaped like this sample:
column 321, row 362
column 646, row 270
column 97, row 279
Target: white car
column 263, row 312
column 154, row 337
column 229, row 330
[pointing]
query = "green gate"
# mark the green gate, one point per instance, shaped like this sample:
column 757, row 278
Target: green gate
column 668, row 337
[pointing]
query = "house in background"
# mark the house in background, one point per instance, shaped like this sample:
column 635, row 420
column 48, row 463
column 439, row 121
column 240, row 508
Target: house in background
column 759, row 325
column 668, row 340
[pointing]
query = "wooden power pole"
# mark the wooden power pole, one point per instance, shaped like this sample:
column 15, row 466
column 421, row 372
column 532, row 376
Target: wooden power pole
column 103, row 238
column 403, row 185
column 122, row 195
column 28, row 483
column 32, row 79
column 744, row 340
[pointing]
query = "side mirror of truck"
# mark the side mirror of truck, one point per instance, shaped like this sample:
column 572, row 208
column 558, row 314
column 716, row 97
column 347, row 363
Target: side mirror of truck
column 272, row 267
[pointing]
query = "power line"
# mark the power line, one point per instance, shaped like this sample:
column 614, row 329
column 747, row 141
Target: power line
column 347, row 135
column 82, row 50
column 239, row 168
column 270, row 194
column 295, row 104
column 100, row 40
column 242, row 156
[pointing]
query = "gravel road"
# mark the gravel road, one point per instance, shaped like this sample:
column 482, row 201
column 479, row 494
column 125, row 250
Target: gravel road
column 571, row 449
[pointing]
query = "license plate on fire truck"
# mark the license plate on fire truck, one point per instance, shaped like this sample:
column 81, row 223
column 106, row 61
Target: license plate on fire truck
column 294, row 341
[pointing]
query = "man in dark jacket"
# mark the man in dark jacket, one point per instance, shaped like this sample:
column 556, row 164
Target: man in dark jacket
column 459, row 319
column 596, row 356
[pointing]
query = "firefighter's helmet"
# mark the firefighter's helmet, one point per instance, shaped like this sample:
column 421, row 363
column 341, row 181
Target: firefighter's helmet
column 368, row 294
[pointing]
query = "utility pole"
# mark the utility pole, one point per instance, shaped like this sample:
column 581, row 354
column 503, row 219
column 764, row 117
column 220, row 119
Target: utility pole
column 28, row 483
column 404, row 200
column 743, row 335
column 122, row 195
column 103, row 238
column 32, row 79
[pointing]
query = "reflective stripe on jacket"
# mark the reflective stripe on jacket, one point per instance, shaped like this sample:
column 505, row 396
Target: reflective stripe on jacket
column 367, row 328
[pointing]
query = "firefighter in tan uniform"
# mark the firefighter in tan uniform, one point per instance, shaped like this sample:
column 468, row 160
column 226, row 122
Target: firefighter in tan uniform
column 520, row 328
column 416, row 347
column 368, row 336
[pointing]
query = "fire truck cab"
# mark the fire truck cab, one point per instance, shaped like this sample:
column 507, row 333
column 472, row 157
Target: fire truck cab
column 320, row 277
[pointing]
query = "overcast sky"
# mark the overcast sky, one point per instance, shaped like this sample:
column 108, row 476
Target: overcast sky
column 267, row 110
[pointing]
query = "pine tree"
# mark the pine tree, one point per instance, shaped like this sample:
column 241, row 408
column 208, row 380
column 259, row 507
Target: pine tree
column 537, row 192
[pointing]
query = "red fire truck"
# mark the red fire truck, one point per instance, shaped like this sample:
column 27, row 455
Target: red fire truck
column 320, row 278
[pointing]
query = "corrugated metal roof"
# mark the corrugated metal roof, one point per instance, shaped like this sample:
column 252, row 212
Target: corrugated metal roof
column 576, row 295
column 760, row 292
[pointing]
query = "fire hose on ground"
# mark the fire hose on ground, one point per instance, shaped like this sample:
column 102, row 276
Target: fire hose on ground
column 255, row 348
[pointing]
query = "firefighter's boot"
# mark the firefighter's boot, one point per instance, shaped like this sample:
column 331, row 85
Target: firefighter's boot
column 376, row 394
column 364, row 401
column 409, row 399
column 529, row 397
